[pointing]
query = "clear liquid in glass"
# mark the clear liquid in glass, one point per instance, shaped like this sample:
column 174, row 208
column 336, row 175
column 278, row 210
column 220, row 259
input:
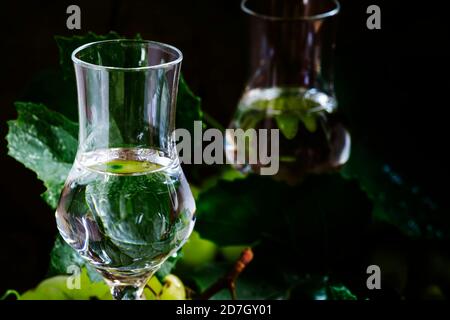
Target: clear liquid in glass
column 312, row 139
column 126, row 211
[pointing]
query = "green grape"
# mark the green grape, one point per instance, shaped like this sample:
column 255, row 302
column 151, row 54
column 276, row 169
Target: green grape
column 106, row 296
column 173, row 289
column 232, row 253
column 50, row 289
column 152, row 289
column 198, row 251
column 55, row 288
column 90, row 290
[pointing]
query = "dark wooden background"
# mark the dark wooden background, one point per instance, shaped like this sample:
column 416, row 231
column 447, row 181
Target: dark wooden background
column 393, row 84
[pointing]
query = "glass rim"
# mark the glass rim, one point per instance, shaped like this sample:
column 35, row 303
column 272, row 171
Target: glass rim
column 172, row 49
column 320, row 16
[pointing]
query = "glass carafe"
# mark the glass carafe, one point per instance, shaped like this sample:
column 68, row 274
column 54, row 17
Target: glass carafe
column 126, row 205
column 291, row 87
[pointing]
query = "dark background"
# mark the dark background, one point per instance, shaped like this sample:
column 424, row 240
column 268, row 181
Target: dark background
column 391, row 84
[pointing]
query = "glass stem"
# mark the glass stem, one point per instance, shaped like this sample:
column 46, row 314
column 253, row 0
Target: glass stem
column 127, row 292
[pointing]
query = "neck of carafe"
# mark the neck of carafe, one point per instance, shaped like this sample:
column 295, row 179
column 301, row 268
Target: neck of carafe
column 292, row 54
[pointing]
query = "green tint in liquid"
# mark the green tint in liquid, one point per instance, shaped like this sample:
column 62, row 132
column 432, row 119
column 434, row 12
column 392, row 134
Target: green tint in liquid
column 126, row 166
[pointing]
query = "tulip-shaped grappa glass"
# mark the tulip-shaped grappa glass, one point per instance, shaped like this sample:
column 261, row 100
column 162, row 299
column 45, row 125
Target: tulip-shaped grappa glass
column 126, row 205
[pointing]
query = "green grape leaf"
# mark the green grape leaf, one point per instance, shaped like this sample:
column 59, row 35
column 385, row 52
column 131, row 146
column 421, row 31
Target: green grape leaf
column 321, row 222
column 319, row 287
column 290, row 110
column 66, row 45
column 168, row 266
column 251, row 284
column 255, row 284
column 340, row 292
column 62, row 256
column 310, row 122
column 396, row 200
column 48, row 87
column 56, row 88
column 288, row 125
column 188, row 107
column 46, row 143
column 226, row 210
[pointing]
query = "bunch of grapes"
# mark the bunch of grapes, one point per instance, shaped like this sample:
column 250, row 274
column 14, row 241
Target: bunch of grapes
column 57, row 288
column 196, row 253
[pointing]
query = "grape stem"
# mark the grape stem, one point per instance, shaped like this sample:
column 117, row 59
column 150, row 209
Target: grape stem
column 152, row 291
column 229, row 280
